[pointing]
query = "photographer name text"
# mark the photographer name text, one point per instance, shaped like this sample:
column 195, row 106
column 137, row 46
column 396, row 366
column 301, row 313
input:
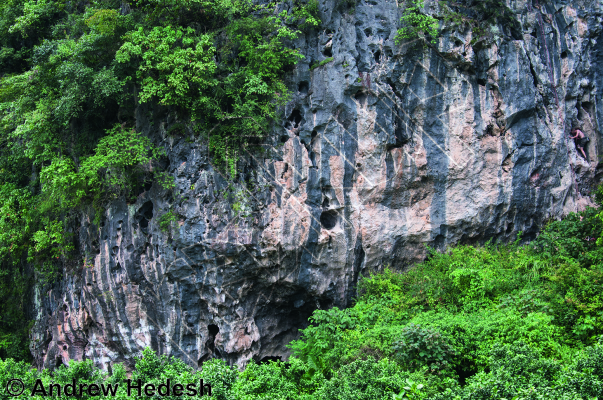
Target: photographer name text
column 16, row 387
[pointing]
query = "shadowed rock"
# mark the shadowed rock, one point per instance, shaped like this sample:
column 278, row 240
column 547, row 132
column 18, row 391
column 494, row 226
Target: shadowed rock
column 386, row 149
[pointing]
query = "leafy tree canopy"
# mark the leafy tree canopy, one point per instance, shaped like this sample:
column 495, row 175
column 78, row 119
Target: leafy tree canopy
column 72, row 74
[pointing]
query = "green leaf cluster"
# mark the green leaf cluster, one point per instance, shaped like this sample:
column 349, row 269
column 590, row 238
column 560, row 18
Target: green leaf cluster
column 420, row 347
column 417, row 23
column 478, row 15
column 175, row 66
column 306, row 15
column 321, row 63
column 166, row 220
column 74, row 78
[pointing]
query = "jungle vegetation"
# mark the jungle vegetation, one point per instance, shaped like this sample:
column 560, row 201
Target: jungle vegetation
column 72, row 77
column 492, row 322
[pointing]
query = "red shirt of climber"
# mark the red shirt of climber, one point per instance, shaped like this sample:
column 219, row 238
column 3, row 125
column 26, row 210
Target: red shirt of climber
column 580, row 139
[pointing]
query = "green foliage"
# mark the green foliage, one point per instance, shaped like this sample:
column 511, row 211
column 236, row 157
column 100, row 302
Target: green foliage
column 105, row 22
column 174, row 64
column 320, row 64
column 166, row 220
column 248, row 99
column 306, row 15
column 420, row 347
column 417, row 23
column 337, row 337
column 411, row 391
column 262, row 381
column 150, row 369
column 366, row 380
column 33, row 13
column 472, row 335
column 520, row 372
column 449, row 317
column 241, row 207
column 232, row 100
column 479, row 16
column 120, row 159
column 72, row 75
column 491, row 322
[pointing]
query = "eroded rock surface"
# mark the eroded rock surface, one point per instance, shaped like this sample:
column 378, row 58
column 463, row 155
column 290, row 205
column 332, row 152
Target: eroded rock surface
column 382, row 151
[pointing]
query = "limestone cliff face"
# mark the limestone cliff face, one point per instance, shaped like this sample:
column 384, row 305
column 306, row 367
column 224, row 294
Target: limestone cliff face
column 383, row 150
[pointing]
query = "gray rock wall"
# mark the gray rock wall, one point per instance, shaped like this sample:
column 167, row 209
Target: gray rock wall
column 382, row 151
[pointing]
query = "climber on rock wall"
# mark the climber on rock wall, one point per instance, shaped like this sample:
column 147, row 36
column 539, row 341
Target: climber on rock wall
column 581, row 140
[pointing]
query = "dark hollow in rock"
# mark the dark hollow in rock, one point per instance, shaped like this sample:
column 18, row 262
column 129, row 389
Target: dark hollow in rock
column 143, row 215
column 328, row 219
column 303, row 87
column 213, row 330
column 439, row 241
column 361, row 98
column 210, row 346
column 377, row 56
column 147, row 210
column 295, row 118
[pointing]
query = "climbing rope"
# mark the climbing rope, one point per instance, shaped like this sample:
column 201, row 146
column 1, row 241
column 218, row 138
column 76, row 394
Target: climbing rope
column 554, row 88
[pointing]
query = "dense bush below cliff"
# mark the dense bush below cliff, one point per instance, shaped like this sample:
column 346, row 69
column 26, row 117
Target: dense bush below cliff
column 493, row 322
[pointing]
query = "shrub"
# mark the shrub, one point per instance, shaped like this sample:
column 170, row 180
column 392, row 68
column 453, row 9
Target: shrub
column 518, row 371
column 419, row 347
column 416, row 23
column 261, row 381
column 364, row 380
column 166, row 220
column 72, row 75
